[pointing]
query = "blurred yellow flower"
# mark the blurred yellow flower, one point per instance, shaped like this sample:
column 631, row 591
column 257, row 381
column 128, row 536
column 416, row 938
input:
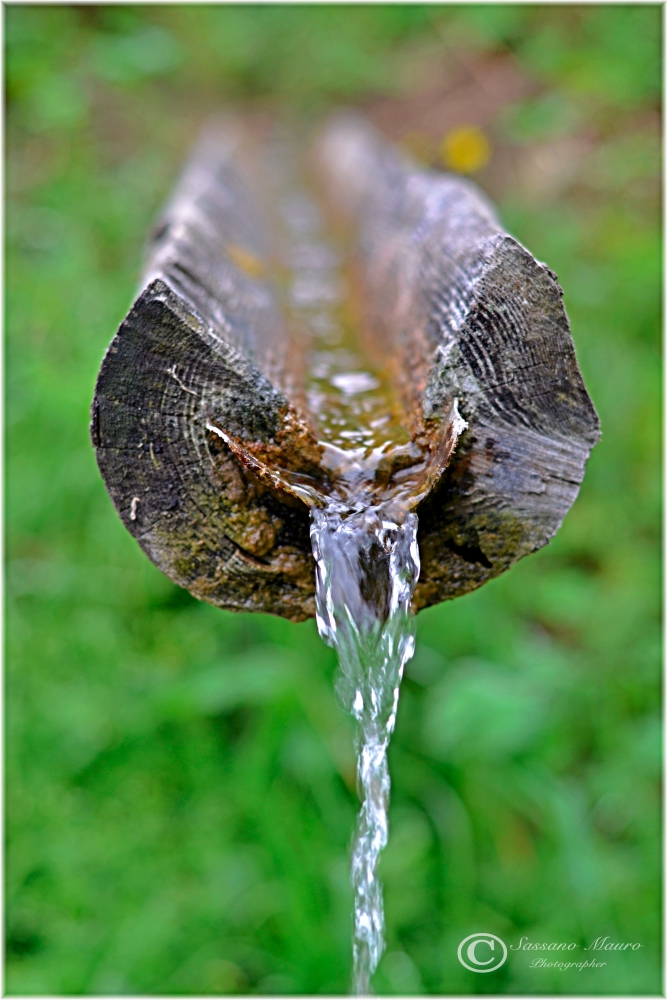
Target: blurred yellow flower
column 465, row 150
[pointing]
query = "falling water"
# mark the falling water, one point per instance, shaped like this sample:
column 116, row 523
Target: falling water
column 367, row 569
column 364, row 538
column 366, row 555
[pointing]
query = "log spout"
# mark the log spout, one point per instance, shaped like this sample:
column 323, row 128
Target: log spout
column 468, row 316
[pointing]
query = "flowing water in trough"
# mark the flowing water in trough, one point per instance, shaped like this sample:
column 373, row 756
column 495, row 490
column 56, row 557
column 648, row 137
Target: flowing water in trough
column 364, row 538
column 365, row 549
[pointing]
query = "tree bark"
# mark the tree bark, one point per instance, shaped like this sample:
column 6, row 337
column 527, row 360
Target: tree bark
column 463, row 309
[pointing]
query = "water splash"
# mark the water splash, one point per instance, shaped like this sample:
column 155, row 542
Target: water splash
column 367, row 570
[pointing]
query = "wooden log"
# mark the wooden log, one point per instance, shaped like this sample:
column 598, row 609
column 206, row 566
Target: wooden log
column 465, row 311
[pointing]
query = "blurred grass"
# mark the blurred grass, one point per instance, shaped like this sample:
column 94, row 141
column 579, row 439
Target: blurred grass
column 179, row 780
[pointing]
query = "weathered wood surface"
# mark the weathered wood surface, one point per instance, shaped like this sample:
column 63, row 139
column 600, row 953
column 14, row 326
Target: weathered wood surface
column 465, row 310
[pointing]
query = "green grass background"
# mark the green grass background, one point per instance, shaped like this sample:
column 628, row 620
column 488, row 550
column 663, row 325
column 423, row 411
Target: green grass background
column 179, row 802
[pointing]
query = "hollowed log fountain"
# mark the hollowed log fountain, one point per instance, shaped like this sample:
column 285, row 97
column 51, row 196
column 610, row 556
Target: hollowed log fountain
column 344, row 391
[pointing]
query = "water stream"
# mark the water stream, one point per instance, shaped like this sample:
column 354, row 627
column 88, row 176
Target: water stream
column 363, row 530
column 365, row 548
column 367, row 569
